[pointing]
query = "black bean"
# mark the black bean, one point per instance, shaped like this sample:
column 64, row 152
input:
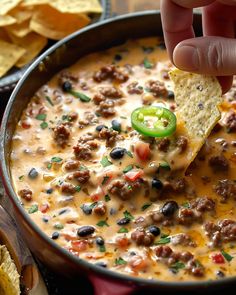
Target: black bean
column 55, row 235
column 220, row 274
column 116, row 125
column 117, row 153
column 154, row 230
column 100, row 127
column 86, row 230
column 117, row 57
column 113, row 211
column 101, row 264
column 99, row 241
column 45, row 219
column 171, row 94
column 49, row 191
column 123, row 221
column 66, row 86
column 63, row 211
column 156, row 183
column 33, row 173
column 86, row 209
column 169, row 208
column 162, row 46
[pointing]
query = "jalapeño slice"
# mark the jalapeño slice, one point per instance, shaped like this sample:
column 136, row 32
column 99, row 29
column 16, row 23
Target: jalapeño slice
column 154, row 121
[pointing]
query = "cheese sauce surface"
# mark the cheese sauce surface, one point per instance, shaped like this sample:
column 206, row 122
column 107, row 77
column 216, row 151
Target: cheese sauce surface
column 111, row 195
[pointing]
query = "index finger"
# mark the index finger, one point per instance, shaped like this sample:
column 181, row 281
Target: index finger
column 177, row 21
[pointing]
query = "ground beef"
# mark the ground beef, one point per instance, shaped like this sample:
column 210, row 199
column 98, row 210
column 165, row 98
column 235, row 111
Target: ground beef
column 182, row 143
column 188, row 216
column 100, row 209
column 111, row 92
column 226, row 188
column 65, row 76
column 111, row 136
column 203, row 204
column 182, row 239
column 110, row 72
column 82, row 176
column 157, row 88
column 134, row 88
column 223, row 231
column 177, row 186
column 82, row 151
column 72, row 165
column 61, row 134
column 142, row 238
column 163, row 144
column 68, row 188
column 231, row 122
column 106, row 108
column 73, row 116
column 123, row 189
column 89, row 119
column 26, row 194
column 219, row 163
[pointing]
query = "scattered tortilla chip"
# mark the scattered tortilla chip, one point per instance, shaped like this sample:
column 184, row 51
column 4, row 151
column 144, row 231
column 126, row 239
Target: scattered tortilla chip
column 32, row 43
column 6, row 20
column 4, row 36
column 55, row 25
column 35, row 2
column 21, row 14
column 9, row 277
column 19, row 30
column 77, row 6
column 7, row 5
column 9, row 55
column 197, row 98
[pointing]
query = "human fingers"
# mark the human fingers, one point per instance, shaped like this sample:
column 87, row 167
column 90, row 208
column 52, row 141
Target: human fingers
column 193, row 3
column 207, row 55
column 225, row 82
column 175, row 31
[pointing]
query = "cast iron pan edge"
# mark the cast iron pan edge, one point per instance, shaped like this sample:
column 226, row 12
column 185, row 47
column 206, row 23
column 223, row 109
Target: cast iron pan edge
column 9, row 120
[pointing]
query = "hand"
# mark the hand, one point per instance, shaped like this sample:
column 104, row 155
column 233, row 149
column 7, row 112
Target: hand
column 213, row 54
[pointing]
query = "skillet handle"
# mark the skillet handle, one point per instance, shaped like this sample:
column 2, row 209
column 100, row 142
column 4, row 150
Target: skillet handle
column 105, row 287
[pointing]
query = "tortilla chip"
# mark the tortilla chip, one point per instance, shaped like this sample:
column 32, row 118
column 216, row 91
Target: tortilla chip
column 6, row 20
column 55, row 25
column 9, row 55
column 21, row 14
column 197, row 98
column 77, row 6
column 32, row 43
column 19, row 30
column 4, row 36
column 7, row 5
column 9, row 277
column 35, row 2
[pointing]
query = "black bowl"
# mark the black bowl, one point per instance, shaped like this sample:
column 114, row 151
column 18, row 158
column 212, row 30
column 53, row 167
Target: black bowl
column 63, row 54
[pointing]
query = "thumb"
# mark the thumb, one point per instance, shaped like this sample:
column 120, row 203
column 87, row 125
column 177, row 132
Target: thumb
column 207, row 55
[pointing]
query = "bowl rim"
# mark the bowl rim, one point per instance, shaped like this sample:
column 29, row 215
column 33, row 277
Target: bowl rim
column 97, row 270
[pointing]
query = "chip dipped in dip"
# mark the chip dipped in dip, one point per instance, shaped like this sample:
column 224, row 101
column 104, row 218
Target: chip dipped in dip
column 95, row 178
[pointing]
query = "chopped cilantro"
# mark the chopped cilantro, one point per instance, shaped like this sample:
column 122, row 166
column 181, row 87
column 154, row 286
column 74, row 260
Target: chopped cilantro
column 102, row 223
column 165, row 166
column 120, row 261
column 123, row 117
column 82, row 168
column 226, row 255
column 93, row 205
column 56, row 159
column 147, row 64
column 33, row 209
column 128, row 168
column 105, row 162
column 49, row 101
column 186, row 205
column 41, row 117
column 78, row 188
column 128, row 215
column 123, row 230
column 58, row 226
column 145, row 206
column 102, row 248
column 81, row 96
column 49, row 165
column 177, row 266
column 66, row 118
column 147, row 49
column 107, row 198
column 105, row 179
column 163, row 241
column 44, row 125
column 21, row 177
column 129, row 154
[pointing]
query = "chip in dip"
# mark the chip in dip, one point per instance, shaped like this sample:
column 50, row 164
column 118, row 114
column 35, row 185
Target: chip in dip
column 197, row 100
column 9, row 277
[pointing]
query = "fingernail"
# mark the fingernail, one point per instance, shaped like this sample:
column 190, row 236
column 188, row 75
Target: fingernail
column 186, row 58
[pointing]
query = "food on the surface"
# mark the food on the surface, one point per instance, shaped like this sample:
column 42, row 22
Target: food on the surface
column 197, row 98
column 9, row 277
column 111, row 195
column 29, row 23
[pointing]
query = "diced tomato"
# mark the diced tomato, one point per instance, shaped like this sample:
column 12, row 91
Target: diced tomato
column 44, row 208
column 25, row 124
column 78, row 246
column 122, row 242
column 218, row 258
column 142, row 150
column 133, row 174
column 97, row 195
column 138, row 263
